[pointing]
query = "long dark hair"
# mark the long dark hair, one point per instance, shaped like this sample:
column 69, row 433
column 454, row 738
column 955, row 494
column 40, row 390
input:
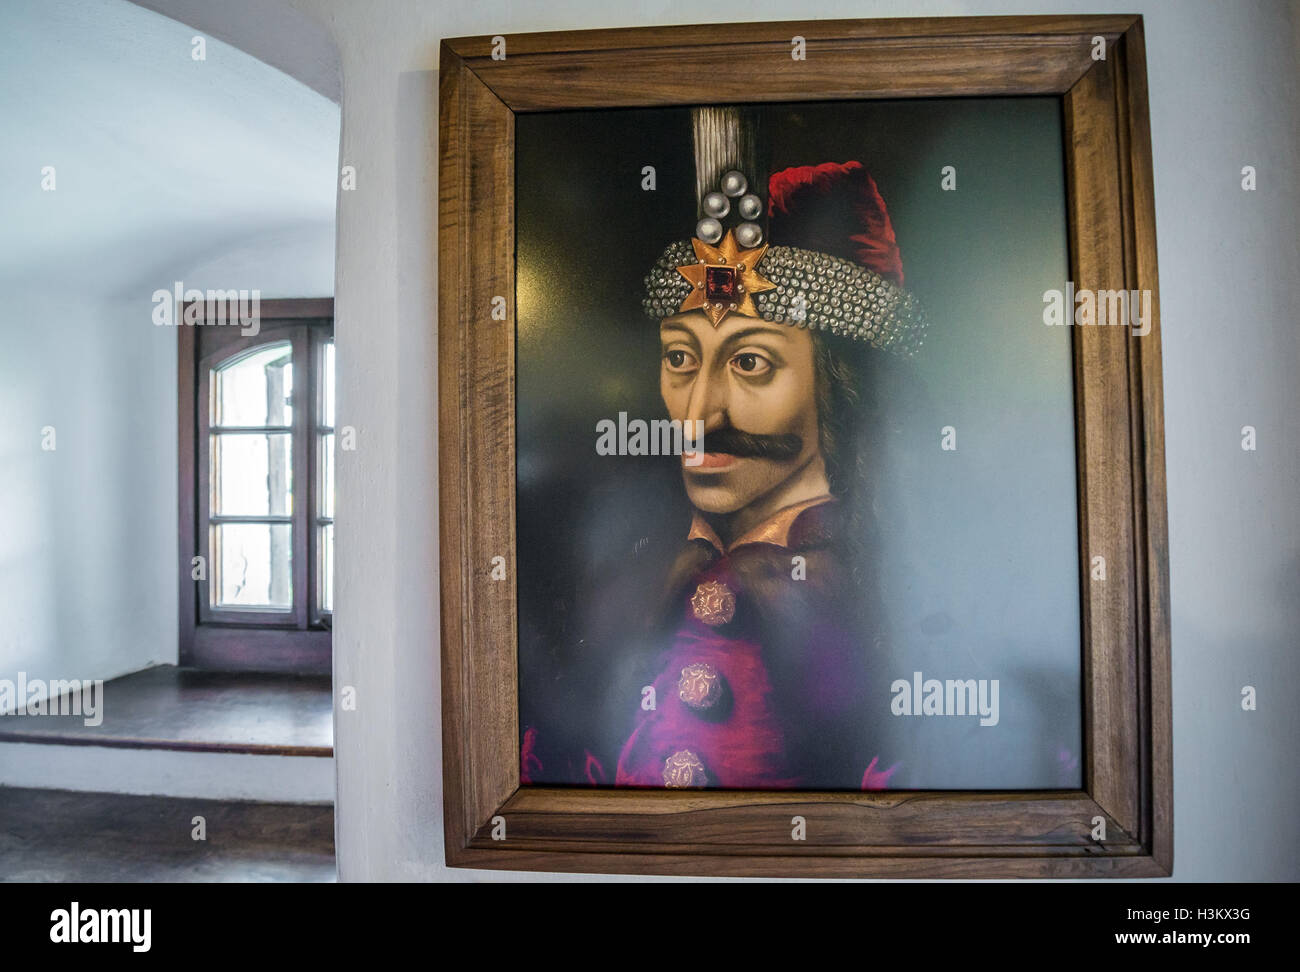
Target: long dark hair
column 851, row 434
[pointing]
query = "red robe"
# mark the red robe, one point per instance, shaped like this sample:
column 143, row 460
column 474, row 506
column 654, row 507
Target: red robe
column 775, row 646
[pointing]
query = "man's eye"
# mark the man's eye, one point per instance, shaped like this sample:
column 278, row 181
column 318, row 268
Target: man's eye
column 678, row 360
column 751, row 364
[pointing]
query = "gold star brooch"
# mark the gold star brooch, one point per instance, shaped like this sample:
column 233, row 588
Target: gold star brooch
column 724, row 279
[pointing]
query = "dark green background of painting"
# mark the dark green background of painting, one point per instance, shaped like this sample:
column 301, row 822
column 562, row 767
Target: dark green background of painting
column 979, row 546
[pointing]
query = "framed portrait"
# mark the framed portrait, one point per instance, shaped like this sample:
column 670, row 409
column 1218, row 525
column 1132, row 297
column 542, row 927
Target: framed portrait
column 802, row 503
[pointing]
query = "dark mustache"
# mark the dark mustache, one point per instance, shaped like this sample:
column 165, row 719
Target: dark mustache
column 750, row 445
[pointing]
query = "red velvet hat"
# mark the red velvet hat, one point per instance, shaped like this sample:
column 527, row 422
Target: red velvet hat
column 834, row 208
column 832, row 263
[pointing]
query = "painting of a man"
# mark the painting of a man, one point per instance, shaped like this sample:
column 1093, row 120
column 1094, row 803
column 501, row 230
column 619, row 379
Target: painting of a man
column 758, row 667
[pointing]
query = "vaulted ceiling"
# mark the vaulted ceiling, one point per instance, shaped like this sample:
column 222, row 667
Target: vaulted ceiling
column 162, row 164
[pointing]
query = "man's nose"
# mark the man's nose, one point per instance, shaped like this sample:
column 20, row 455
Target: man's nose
column 708, row 401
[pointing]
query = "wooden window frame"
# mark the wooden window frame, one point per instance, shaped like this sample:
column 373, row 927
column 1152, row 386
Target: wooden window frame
column 1118, row 428
column 299, row 640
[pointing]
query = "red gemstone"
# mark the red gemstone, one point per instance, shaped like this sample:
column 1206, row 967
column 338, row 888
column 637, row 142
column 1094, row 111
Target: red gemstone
column 720, row 283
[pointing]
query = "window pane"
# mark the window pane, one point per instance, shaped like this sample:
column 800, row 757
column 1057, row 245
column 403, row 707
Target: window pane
column 325, row 491
column 252, row 474
column 255, row 389
column 327, row 567
column 327, row 475
column 327, row 386
column 252, row 565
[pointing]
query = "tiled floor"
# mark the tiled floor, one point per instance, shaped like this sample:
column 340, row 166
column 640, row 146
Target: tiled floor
column 56, row 835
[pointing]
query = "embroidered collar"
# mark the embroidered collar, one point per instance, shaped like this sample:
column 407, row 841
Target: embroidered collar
column 774, row 530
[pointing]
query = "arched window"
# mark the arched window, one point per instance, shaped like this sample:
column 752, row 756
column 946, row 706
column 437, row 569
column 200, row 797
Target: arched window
column 262, row 536
column 250, row 458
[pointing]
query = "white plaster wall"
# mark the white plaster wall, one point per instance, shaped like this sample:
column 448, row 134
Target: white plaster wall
column 87, row 530
column 168, row 772
column 1223, row 94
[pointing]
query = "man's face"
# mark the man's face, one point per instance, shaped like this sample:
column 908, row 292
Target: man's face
column 752, row 383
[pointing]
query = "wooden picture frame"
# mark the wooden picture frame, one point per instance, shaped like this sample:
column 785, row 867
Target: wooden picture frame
column 1128, row 780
